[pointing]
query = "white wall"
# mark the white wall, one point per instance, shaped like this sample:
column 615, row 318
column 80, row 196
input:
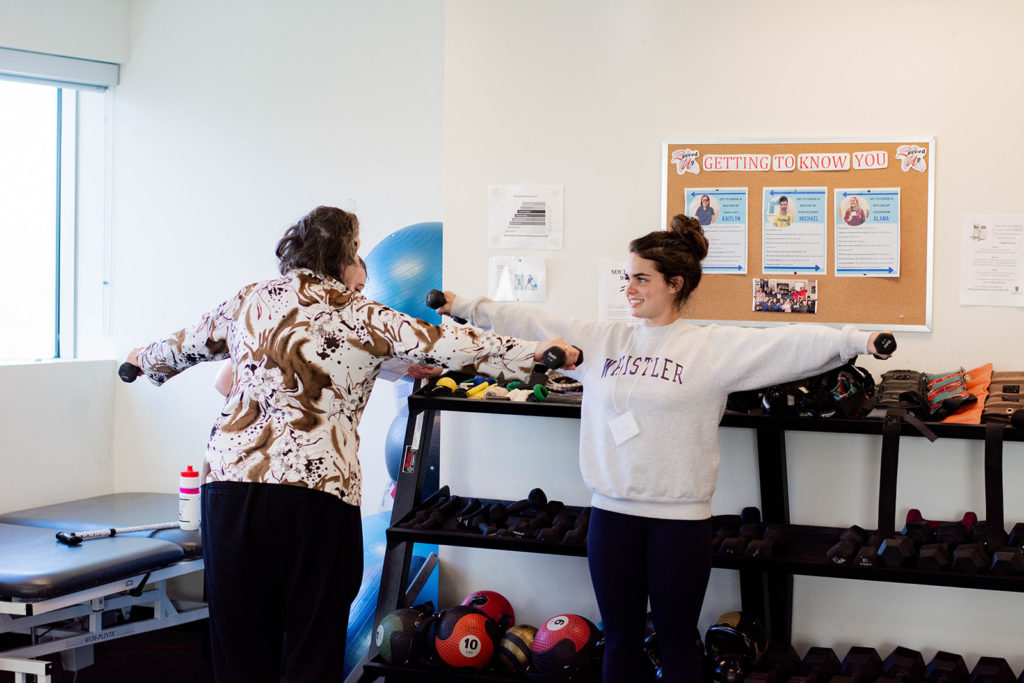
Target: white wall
column 583, row 92
column 232, row 120
column 96, row 30
column 55, row 435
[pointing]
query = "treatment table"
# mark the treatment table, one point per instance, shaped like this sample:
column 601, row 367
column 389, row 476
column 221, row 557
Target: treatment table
column 62, row 598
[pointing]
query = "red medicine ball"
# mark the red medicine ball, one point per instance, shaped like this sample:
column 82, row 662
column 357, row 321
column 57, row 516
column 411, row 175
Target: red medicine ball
column 564, row 640
column 494, row 605
column 465, row 637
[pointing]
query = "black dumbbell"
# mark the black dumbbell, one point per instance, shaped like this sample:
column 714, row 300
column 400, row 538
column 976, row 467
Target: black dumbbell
column 737, row 545
column 554, row 357
column 948, row 536
column 992, row 670
column 861, row 664
column 885, row 342
column 128, row 372
column 464, row 517
column 775, row 534
column 1010, row 559
column 578, row 533
column 750, row 528
column 537, row 500
column 435, row 300
column 819, row 664
column 899, row 551
column 776, row 666
column 902, row 664
column 976, row 556
column 725, row 526
column 867, row 556
column 850, row 541
column 946, row 667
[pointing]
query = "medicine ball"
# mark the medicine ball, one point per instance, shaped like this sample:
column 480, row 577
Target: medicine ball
column 514, row 650
column 396, row 635
column 465, row 638
column 563, row 640
column 494, row 605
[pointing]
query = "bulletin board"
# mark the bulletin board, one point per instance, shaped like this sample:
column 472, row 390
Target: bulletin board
column 836, row 231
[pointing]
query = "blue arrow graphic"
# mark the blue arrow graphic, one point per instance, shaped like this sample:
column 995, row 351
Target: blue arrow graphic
column 814, row 268
column 723, row 267
column 865, row 270
column 873, row 194
column 775, row 192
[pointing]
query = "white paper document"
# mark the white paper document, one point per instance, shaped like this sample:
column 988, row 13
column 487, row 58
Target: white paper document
column 514, row 278
column 611, row 293
column 524, row 217
column 992, row 261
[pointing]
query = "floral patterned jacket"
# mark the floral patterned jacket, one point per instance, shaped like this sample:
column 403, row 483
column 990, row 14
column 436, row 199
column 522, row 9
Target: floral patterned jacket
column 306, row 351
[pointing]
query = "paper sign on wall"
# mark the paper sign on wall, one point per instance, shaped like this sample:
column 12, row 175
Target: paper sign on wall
column 513, row 278
column 524, row 217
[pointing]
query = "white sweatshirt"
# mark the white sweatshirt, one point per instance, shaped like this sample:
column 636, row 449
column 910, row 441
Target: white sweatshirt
column 675, row 380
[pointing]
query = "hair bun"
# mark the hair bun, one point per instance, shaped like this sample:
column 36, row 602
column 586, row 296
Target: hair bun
column 688, row 228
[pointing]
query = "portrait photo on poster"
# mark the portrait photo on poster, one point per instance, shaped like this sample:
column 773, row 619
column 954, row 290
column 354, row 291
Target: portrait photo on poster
column 785, row 296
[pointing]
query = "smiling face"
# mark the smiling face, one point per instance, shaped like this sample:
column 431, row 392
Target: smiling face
column 705, row 201
column 650, row 297
column 784, row 207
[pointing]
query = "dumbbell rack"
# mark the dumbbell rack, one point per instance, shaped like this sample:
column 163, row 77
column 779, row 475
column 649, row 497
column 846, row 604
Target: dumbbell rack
column 766, row 585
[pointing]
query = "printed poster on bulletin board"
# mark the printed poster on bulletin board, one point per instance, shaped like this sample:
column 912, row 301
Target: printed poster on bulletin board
column 829, row 231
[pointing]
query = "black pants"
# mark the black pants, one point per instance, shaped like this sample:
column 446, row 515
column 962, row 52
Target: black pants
column 283, row 565
column 632, row 558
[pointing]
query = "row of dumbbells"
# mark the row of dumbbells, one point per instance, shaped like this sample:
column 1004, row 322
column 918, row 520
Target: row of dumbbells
column 863, row 665
column 968, row 545
column 746, row 535
column 532, row 517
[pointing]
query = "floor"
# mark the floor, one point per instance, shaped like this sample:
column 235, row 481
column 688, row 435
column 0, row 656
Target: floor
column 173, row 655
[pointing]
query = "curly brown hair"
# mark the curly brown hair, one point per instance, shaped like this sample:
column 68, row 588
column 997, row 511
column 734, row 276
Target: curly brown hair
column 677, row 251
column 324, row 241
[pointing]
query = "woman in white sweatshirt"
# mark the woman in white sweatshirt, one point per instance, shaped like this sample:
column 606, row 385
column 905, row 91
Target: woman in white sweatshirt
column 654, row 395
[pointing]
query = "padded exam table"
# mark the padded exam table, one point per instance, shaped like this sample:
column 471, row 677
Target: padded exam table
column 65, row 599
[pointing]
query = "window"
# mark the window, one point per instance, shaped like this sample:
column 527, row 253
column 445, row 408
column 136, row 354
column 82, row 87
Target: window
column 41, row 97
column 30, row 183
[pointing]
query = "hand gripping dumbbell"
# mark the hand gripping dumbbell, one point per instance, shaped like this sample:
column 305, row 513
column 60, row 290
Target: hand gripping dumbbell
column 850, row 541
column 948, row 536
column 899, row 551
column 435, row 300
column 946, row 667
column 885, row 342
column 974, row 557
column 902, row 664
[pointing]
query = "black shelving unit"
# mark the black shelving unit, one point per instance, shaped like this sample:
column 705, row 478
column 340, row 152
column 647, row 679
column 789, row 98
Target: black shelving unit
column 766, row 585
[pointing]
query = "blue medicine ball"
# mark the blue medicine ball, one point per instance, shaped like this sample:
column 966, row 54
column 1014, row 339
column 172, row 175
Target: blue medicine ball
column 403, row 267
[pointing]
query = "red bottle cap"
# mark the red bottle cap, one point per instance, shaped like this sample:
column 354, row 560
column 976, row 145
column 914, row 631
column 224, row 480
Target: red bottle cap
column 190, row 472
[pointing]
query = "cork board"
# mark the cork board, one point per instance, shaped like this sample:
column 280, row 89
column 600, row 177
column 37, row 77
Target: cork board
column 863, row 256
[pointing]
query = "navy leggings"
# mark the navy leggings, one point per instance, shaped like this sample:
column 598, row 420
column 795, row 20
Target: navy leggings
column 669, row 560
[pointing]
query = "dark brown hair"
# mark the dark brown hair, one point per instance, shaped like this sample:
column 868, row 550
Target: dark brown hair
column 323, row 241
column 676, row 252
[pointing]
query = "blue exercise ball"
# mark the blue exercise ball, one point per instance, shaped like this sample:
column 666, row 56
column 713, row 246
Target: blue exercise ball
column 403, row 267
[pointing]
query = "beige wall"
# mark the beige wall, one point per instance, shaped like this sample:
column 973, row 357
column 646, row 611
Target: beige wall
column 582, row 93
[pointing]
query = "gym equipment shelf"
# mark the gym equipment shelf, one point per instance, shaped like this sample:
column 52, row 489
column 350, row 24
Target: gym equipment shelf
column 766, row 585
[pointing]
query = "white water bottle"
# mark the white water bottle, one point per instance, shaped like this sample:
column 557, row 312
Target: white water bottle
column 188, row 500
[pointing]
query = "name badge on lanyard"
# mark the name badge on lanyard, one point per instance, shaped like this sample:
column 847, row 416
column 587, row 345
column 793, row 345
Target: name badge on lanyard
column 624, row 427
